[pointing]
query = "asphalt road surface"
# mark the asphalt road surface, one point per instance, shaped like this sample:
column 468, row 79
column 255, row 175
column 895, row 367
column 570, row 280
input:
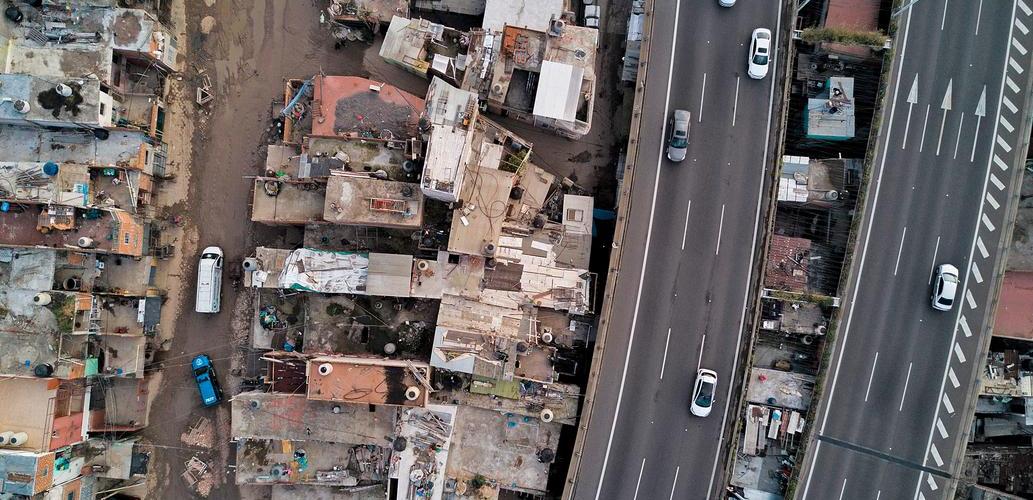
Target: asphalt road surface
column 946, row 175
column 684, row 275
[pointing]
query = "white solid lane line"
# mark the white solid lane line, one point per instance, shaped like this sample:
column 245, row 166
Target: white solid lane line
column 720, row 228
column 944, row 20
column 906, row 381
column 663, row 364
column 685, row 233
column 675, row 485
column 639, row 482
column 702, row 96
column 925, row 124
column 871, row 377
column 702, row 344
column 645, row 257
column 979, row 16
column 842, row 490
column 735, row 105
column 936, row 250
column 957, row 142
column 900, row 251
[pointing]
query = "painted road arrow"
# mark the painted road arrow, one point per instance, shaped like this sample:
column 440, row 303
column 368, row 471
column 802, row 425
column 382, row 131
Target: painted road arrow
column 912, row 99
column 945, row 106
column 980, row 113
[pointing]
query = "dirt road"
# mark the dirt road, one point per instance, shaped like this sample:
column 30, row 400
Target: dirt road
column 251, row 48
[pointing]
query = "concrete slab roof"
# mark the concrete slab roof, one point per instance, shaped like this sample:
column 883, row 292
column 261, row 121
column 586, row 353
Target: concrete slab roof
column 271, row 415
column 532, row 14
column 363, row 200
column 365, row 380
column 294, row 202
column 478, row 222
column 347, row 104
column 1015, row 309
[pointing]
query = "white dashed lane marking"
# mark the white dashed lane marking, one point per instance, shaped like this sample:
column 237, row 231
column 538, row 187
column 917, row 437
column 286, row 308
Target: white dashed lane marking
column 1000, row 163
column 971, row 299
column 959, row 353
column 1004, row 145
column 976, row 274
column 1010, row 105
column 1015, row 65
column 1018, row 46
column 1007, row 125
column 943, row 430
column 982, row 247
column 947, row 404
column 964, row 327
column 1011, row 84
column 992, row 201
column 997, row 182
column 939, row 463
column 1021, row 27
column 1025, row 8
column 932, row 483
column 954, row 380
column 989, row 225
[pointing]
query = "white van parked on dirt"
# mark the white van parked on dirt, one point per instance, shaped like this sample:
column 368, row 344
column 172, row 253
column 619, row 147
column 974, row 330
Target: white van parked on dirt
column 209, row 280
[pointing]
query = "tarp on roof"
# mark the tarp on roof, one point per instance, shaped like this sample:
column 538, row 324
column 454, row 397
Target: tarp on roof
column 558, row 88
column 325, row 272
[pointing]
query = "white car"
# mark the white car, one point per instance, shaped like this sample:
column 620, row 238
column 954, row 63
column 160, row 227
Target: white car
column 703, row 392
column 760, row 53
column 726, row 3
column 945, row 287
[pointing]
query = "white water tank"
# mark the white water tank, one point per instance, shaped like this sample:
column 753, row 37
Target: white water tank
column 326, row 369
column 63, row 90
column 5, row 437
column 41, row 299
column 546, row 415
column 85, row 242
column 412, row 393
column 18, row 439
column 22, row 106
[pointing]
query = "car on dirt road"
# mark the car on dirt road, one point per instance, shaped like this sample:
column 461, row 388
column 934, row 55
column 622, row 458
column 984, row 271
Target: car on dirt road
column 207, row 382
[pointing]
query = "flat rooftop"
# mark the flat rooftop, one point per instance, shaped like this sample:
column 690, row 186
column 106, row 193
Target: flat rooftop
column 294, row 202
column 270, row 415
column 1014, row 313
column 62, row 227
column 30, row 182
column 458, row 275
column 346, row 105
column 83, row 108
column 533, row 14
column 281, row 461
column 365, row 380
column 778, row 388
column 33, row 144
column 788, row 264
column 479, row 221
column 501, row 447
column 367, row 201
column 832, row 117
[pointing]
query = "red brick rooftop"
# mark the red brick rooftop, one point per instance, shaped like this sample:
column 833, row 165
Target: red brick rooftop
column 1015, row 309
column 347, row 105
column 853, row 14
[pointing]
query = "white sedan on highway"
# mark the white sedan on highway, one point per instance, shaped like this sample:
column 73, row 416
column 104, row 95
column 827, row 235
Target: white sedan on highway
column 703, row 392
column 760, row 53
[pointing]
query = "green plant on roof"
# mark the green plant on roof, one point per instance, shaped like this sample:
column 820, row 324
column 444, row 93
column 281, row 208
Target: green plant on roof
column 63, row 307
column 844, row 36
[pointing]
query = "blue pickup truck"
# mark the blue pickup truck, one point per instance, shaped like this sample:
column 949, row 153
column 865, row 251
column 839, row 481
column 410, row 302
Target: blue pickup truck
column 207, row 383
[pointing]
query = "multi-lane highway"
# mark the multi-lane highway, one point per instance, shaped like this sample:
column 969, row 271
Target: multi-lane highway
column 946, row 173
column 687, row 257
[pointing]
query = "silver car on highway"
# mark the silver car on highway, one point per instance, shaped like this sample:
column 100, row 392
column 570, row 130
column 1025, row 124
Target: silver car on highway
column 678, row 142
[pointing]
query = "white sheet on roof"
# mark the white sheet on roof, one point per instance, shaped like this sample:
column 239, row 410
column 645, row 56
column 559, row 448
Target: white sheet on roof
column 558, row 88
